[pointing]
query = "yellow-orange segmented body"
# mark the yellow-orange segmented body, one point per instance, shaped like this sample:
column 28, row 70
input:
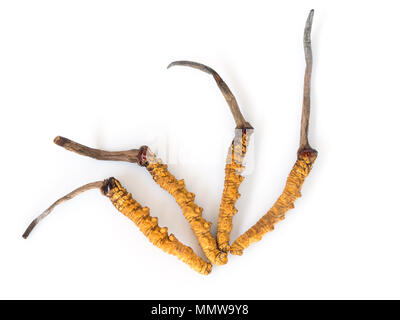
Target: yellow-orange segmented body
column 125, row 204
column 192, row 212
column 233, row 178
column 294, row 182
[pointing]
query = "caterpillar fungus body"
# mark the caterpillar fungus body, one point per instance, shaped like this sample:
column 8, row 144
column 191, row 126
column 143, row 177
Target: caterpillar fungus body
column 185, row 200
column 123, row 201
column 302, row 167
column 291, row 192
column 233, row 178
column 148, row 225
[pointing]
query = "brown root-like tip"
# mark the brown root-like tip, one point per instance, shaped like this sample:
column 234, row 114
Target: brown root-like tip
column 60, row 141
column 32, row 225
column 126, row 156
column 241, row 123
column 29, row 229
column 192, row 64
column 307, row 29
column 305, row 116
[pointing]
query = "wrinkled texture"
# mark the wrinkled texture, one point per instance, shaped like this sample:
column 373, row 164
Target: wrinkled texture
column 294, row 182
column 233, row 178
column 191, row 211
column 148, row 225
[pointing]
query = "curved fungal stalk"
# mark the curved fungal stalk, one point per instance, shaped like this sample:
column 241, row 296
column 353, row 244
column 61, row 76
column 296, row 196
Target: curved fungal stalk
column 159, row 171
column 305, row 116
column 234, row 161
column 302, row 167
column 241, row 123
column 147, row 224
column 69, row 196
column 127, row 156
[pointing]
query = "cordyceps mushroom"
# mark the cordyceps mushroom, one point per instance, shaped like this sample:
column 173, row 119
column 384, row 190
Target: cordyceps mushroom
column 159, row 171
column 215, row 250
column 147, row 224
column 302, row 167
column 234, row 161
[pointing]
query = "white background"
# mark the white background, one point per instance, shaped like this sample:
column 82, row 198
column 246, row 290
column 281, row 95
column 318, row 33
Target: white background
column 95, row 72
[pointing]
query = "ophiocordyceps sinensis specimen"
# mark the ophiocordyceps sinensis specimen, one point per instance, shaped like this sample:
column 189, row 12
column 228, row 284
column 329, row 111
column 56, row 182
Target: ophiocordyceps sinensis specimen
column 302, row 167
column 215, row 249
